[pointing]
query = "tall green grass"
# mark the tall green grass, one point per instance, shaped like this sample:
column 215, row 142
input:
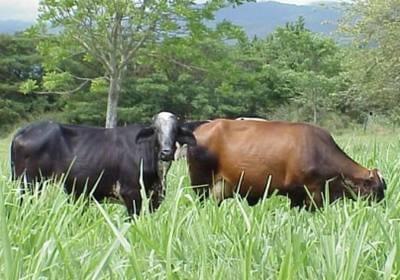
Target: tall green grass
column 49, row 237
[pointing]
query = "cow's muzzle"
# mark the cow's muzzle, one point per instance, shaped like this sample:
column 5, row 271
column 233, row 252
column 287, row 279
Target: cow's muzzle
column 167, row 155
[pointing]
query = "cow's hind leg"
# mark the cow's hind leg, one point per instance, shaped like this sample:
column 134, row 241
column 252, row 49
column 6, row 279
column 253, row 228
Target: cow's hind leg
column 22, row 186
column 28, row 184
column 222, row 190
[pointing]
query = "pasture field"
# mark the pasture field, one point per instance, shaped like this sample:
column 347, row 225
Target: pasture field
column 49, row 237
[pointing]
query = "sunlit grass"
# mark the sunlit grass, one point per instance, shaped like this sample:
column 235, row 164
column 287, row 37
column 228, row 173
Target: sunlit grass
column 50, row 237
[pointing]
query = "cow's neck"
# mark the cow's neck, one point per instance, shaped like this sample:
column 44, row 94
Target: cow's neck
column 151, row 156
column 354, row 171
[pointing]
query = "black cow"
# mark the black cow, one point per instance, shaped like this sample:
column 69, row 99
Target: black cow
column 115, row 157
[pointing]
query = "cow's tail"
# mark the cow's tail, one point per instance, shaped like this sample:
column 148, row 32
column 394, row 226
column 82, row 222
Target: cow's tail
column 12, row 160
column 13, row 153
column 13, row 171
column 14, row 175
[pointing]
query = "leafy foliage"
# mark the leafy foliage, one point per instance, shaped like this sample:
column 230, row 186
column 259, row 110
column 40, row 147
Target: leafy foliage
column 201, row 72
column 18, row 62
column 115, row 35
column 373, row 65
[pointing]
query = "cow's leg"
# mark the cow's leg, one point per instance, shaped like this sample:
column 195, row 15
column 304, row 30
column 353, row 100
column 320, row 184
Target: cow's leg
column 160, row 187
column 252, row 200
column 20, row 173
column 297, row 196
column 221, row 190
column 314, row 196
column 162, row 171
column 23, row 184
column 132, row 199
column 28, row 182
column 156, row 196
column 336, row 190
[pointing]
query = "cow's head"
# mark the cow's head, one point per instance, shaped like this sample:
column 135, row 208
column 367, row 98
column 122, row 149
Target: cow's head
column 372, row 185
column 168, row 131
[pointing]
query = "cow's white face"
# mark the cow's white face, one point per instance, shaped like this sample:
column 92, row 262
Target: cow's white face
column 167, row 132
column 166, row 128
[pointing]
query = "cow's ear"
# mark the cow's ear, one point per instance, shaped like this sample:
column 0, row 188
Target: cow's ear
column 185, row 136
column 144, row 134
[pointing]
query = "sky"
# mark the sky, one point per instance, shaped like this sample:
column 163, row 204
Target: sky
column 27, row 9
column 18, row 9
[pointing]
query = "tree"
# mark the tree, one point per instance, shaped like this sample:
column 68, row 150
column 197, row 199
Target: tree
column 373, row 63
column 115, row 34
column 310, row 62
column 19, row 61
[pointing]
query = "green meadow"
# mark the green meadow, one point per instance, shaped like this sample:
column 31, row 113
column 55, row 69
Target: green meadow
column 51, row 237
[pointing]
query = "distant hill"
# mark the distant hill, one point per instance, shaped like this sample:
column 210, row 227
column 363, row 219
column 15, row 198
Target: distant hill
column 12, row 26
column 262, row 18
column 257, row 18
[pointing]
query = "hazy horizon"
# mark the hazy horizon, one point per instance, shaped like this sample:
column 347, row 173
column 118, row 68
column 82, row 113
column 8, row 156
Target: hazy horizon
column 27, row 10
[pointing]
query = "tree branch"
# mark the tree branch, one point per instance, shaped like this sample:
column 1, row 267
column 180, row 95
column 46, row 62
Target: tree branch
column 181, row 64
column 95, row 52
column 133, row 49
column 67, row 92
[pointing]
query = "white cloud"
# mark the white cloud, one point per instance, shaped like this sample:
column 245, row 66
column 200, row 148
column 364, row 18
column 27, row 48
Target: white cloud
column 19, row 9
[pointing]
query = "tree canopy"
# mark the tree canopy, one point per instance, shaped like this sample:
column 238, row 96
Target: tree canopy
column 170, row 56
column 374, row 65
column 113, row 34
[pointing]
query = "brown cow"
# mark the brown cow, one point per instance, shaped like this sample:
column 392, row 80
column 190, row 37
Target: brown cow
column 250, row 119
column 241, row 156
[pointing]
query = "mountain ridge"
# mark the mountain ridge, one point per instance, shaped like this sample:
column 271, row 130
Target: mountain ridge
column 256, row 18
column 261, row 18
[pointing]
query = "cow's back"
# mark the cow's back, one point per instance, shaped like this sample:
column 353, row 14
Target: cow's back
column 45, row 149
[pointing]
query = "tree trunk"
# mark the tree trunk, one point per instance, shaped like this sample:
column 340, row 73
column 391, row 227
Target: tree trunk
column 315, row 113
column 112, row 102
column 314, row 106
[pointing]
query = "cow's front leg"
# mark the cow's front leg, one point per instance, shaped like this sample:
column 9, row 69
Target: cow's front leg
column 313, row 199
column 132, row 199
column 163, row 167
column 160, row 186
column 156, row 196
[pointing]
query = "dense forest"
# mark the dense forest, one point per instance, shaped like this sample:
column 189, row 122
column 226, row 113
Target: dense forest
column 205, row 72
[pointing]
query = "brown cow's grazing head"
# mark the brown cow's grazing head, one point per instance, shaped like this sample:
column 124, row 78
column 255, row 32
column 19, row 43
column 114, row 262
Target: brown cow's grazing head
column 371, row 185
